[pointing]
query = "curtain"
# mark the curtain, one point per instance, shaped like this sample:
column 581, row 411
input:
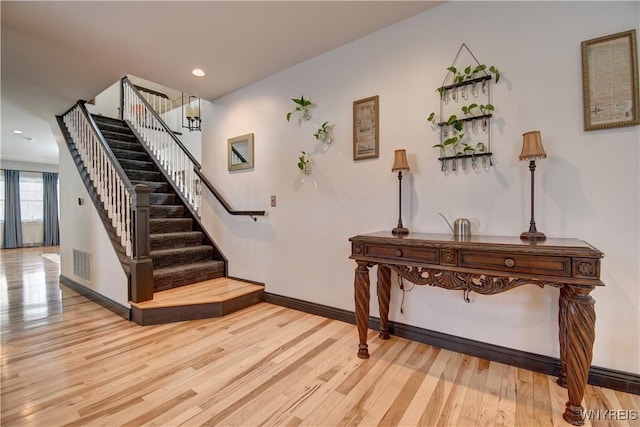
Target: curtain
column 50, row 205
column 12, row 220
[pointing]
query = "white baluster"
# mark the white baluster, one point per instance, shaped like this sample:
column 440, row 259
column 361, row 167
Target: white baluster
column 116, row 199
column 129, row 233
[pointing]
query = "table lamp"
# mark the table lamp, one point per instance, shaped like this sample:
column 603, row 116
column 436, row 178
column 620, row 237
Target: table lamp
column 532, row 150
column 400, row 164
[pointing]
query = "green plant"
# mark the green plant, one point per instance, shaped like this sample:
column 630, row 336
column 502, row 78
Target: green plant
column 466, row 149
column 323, row 132
column 485, row 109
column 457, row 124
column 491, row 70
column 469, row 74
column 302, row 105
column 450, row 142
column 467, row 109
column 457, row 77
column 472, row 150
column 451, row 121
column 303, row 162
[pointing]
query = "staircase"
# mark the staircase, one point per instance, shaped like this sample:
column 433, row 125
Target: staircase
column 182, row 254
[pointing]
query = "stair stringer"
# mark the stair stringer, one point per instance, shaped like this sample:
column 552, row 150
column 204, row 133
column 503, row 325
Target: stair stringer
column 218, row 254
column 93, row 195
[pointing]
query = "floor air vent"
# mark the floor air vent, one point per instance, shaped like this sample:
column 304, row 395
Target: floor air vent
column 82, row 264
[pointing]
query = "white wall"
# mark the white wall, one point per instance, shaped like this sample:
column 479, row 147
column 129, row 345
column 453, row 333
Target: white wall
column 107, row 102
column 587, row 187
column 81, row 228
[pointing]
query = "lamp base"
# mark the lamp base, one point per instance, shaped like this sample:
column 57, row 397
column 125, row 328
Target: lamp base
column 400, row 231
column 533, row 236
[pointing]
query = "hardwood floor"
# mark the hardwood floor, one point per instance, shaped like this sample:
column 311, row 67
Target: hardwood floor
column 68, row 361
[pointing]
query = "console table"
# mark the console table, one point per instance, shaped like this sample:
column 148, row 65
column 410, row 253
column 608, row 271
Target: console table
column 489, row 265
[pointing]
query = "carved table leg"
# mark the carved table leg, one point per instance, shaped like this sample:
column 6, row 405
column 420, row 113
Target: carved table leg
column 580, row 334
column 562, row 336
column 384, row 294
column 361, row 289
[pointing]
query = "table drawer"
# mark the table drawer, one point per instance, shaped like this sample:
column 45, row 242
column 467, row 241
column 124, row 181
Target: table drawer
column 407, row 253
column 534, row 264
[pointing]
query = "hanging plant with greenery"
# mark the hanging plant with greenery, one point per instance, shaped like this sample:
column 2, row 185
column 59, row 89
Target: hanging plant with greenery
column 302, row 105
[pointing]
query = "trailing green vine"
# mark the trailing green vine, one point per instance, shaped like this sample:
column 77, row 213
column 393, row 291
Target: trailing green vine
column 302, row 105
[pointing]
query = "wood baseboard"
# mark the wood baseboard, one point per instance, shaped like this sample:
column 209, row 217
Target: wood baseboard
column 100, row 299
column 601, row 377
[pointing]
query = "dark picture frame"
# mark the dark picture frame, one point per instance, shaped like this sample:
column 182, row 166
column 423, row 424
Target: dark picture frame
column 610, row 81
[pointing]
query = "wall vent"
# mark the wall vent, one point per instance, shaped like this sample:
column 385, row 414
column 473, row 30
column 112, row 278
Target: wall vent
column 82, row 264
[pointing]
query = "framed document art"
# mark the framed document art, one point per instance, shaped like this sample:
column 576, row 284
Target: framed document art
column 365, row 129
column 610, row 81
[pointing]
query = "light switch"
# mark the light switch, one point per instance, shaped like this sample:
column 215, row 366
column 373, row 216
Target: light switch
column 273, row 201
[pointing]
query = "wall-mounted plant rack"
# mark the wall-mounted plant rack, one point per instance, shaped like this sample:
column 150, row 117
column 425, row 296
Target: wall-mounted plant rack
column 458, row 143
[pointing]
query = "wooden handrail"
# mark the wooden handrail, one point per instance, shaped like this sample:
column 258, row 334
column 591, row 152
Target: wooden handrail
column 224, row 204
column 151, row 91
column 112, row 157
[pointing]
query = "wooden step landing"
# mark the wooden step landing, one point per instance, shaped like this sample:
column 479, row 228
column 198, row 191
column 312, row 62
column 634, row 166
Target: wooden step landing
column 211, row 298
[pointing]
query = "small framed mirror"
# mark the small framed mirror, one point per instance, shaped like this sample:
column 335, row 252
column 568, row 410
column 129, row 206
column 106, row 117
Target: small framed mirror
column 240, row 152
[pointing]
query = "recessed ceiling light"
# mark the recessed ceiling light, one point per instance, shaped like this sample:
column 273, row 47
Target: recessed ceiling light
column 17, row 131
column 197, row 72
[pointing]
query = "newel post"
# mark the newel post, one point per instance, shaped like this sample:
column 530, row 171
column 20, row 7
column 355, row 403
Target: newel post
column 141, row 263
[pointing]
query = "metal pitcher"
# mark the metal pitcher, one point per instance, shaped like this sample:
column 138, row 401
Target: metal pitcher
column 461, row 227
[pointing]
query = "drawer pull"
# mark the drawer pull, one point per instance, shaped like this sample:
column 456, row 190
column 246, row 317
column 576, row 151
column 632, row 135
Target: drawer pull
column 398, row 252
column 509, row 262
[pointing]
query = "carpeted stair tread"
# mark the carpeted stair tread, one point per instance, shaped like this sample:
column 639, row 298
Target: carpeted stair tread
column 107, row 119
column 123, row 136
column 157, row 198
column 167, row 211
column 124, row 145
column 179, row 239
column 152, row 176
column 114, row 127
column 170, row 225
column 172, row 277
column 146, row 165
column 155, row 186
column 181, row 256
column 130, row 155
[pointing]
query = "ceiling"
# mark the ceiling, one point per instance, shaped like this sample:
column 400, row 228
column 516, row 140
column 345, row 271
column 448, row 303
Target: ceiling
column 56, row 52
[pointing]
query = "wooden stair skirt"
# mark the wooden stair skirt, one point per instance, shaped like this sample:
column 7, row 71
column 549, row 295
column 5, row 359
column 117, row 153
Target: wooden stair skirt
column 211, row 298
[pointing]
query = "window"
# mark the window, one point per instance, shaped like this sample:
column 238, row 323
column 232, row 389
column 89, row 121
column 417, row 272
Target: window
column 1, row 196
column 31, row 197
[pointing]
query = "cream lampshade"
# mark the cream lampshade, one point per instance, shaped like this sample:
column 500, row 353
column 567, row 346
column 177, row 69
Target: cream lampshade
column 400, row 161
column 532, row 146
